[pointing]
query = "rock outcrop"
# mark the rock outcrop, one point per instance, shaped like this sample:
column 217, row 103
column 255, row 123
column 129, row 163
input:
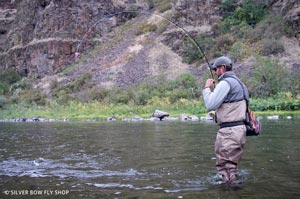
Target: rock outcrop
column 42, row 37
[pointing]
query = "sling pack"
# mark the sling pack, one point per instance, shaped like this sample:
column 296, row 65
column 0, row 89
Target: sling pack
column 253, row 125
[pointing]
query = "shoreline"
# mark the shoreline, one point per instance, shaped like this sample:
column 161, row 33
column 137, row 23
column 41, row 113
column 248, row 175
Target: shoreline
column 268, row 115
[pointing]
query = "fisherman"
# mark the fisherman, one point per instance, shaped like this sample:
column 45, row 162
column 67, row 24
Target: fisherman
column 228, row 100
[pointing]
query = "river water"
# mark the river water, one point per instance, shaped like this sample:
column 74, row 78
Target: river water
column 143, row 160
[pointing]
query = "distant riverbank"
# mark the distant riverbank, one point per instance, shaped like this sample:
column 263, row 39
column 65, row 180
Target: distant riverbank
column 182, row 110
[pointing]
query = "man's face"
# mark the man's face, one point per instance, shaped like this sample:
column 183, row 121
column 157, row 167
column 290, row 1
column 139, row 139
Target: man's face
column 219, row 70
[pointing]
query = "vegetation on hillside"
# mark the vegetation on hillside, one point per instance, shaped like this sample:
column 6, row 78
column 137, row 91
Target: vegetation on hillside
column 246, row 30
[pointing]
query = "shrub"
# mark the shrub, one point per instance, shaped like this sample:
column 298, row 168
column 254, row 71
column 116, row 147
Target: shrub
column 4, row 88
column 186, row 81
column 223, row 44
column 162, row 27
column 269, row 78
column 276, row 104
column 228, row 7
column 3, row 101
column 63, row 97
column 7, row 78
column 33, row 96
column 248, row 13
column 96, row 94
column 119, row 96
column 146, row 28
column 80, row 82
column 141, row 97
column 239, row 51
column 164, row 6
column 21, row 85
column 272, row 46
column 271, row 27
column 192, row 52
column 150, row 4
column 293, row 85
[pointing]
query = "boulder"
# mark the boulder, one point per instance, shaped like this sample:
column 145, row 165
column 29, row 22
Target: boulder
column 160, row 114
column 183, row 117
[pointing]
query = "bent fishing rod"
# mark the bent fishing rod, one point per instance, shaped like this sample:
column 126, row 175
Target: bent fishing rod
column 197, row 45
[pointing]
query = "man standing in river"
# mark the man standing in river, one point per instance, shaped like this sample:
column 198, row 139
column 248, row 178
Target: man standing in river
column 228, row 99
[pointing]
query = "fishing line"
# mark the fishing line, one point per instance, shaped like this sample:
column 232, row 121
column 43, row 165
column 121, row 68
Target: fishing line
column 149, row 13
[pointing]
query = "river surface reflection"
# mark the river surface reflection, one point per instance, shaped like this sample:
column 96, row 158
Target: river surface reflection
column 142, row 160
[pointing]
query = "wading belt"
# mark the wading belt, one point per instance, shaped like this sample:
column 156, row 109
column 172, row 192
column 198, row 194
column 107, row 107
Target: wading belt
column 231, row 124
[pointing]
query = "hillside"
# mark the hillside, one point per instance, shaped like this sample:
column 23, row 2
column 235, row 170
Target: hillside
column 82, row 49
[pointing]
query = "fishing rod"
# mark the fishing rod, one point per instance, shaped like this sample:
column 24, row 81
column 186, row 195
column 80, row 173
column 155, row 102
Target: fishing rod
column 162, row 17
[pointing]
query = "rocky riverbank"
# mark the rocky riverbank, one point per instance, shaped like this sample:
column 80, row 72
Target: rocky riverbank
column 182, row 118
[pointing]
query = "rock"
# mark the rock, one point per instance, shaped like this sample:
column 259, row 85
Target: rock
column 210, row 116
column 112, row 118
column 183, row 117
column 50, row 32
column 193, row 118
column 21, row 119
column 273, row 117
column 154, row 119
column 170, row 118
column 126, row 119
column 160, row 114
column 137, row 118
column 35, row 119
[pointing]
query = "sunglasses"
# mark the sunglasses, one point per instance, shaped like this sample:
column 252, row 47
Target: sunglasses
column 215, row 69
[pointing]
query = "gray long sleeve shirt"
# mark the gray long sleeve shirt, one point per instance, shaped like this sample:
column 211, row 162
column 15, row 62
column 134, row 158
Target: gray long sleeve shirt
column 214, row 99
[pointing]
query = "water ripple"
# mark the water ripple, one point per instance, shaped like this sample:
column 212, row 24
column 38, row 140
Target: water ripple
column 45, row 168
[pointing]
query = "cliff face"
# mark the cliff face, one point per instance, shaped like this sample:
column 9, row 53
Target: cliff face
column 40, row 38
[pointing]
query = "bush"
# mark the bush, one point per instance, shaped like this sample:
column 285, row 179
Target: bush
column 269, row 78
column 192, row 52
column 186, row 81
column 228, row 7
column 4, row 88
column 97, row 94
column 164, row 6
column 33, row 96
column 163, row 26
column 275, row 104
column 141, row 97
column 7, row 78
column 236, row 17
column 80, row 82
column 3, row 101
column 146, row 28
column 223, row 44
column 272, row 46
column 119, row 96
column 271, row 27
column 239, row 51
column 250, row 12
column 293, row 85
column 20, row 85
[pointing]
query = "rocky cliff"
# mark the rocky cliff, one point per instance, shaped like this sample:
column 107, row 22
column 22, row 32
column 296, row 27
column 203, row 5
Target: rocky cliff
column 43, row 38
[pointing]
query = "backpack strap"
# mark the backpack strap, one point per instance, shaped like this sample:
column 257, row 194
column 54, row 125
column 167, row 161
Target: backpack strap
column 244, row 92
